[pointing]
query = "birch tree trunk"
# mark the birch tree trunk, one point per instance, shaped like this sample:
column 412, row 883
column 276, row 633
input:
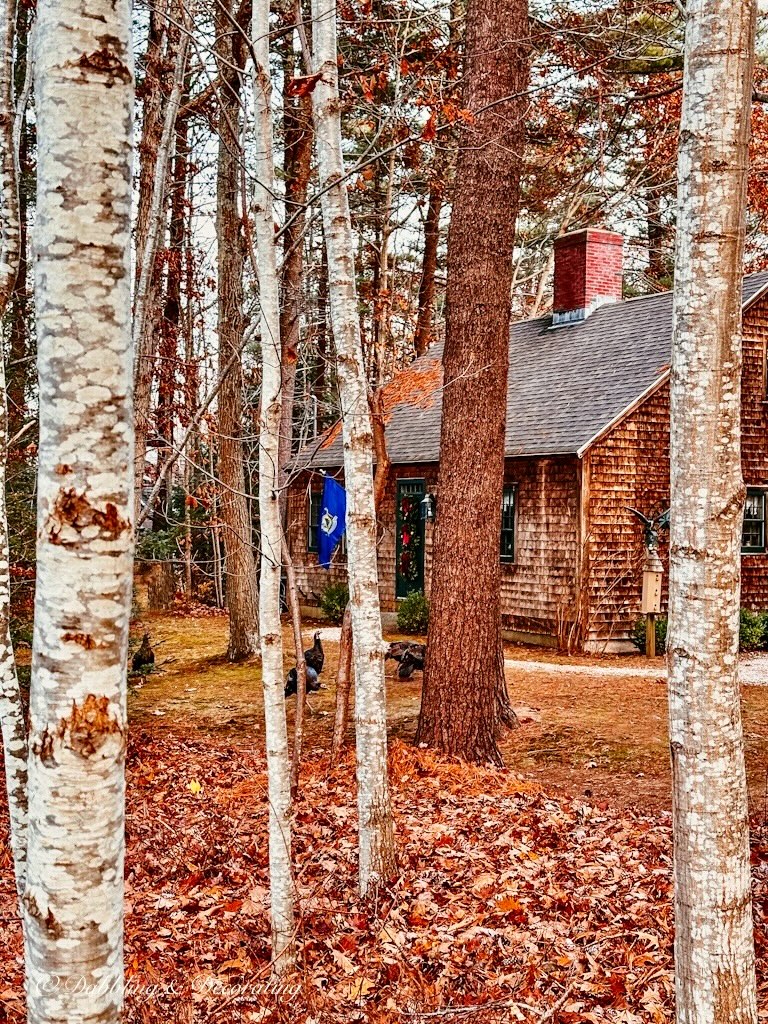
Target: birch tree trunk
column 241, row 587
column 376, row 824
column 714, row 955
column 278, row 762
column 73, row 903
column 11, row 710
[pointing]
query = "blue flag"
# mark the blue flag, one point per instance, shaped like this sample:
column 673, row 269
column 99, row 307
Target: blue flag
column 332, row 522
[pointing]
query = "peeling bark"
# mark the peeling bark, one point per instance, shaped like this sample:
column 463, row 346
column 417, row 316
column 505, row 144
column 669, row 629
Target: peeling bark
column 714, row 954
column 73, row 901
column 376, row 824
column 278, row 764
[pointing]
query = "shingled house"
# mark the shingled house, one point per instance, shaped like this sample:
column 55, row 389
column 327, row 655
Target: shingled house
column 587, row 439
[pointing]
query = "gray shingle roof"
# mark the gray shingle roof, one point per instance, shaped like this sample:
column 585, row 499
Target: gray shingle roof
column 566, row 384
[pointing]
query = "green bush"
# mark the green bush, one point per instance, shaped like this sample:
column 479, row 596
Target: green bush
column 413, row 614
column 333, row 600
column 638, row 635
column 752, row 630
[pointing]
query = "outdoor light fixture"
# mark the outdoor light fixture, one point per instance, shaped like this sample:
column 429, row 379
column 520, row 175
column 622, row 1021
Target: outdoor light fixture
column 428, row 508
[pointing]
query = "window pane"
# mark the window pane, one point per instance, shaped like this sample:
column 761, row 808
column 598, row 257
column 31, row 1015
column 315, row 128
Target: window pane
column 313, row 519
column 507, row 545
column 753, row 532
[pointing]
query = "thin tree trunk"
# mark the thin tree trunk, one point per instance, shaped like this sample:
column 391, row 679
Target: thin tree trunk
column 157, row 137
column 11, row 710
column 344, row 676
column 19, row 347
column 73, row 903
column 143, row 323
column 292, row 592
column 714, row 953
column 172, row 323
column 423, row 335
column 343, row 686
column 278, row 763
column 297, row 121
column 376, row 825
column 463, row 678
column 241, row 588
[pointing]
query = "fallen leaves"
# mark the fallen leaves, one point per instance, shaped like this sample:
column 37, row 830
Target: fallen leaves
column 510, row 905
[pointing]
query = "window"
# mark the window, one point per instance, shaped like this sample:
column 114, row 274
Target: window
column 508, row 502
column 753, row 531
column 313, row 519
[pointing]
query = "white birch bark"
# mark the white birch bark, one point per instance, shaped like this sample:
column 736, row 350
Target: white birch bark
column 714, row 955
column 278, row 762
column 73, row 906
column 11, row 710
column 376, row 825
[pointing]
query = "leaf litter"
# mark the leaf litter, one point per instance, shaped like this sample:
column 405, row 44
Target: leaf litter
column 510, row 905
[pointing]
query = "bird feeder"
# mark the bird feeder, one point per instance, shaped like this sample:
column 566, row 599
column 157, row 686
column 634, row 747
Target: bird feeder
column 651, row 600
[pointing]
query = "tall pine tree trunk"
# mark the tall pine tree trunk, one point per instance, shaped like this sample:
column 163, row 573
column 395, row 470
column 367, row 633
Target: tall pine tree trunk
column 376, row 826
column 11, row 710
column 73, row 903
column 714, row 955
column 463, row 697
column 241, row 589
column 278, row 763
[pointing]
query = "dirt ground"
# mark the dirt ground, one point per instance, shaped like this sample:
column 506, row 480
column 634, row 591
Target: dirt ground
column 603, row 736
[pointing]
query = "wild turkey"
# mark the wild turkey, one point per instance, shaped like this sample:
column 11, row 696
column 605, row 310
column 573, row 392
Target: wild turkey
column 409, row 655
column 292, row 682
column 144, row 658
column 314, row 659
column 315, row 656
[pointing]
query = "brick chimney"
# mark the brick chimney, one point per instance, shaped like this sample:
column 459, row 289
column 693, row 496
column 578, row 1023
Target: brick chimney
column 588, row 273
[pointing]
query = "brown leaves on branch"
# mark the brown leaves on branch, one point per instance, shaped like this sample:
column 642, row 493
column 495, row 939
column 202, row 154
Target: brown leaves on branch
column 303, row 85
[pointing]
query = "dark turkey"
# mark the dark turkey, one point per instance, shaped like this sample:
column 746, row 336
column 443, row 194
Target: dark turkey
column 409, row 655
column 315, row 656
column 292, row 682
column 144, row 658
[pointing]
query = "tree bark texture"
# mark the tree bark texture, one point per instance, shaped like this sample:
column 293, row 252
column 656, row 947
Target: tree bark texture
column 714, row 955
column 11, row 710
column 145, row 319
column 460, row 712
column 154, row 98
column 423, row 335
column 73, row 902
column 376, row 825
column 297, row 125
column 278, row 761
column 241, row 588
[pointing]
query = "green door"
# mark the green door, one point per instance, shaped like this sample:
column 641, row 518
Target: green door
column 410, row 538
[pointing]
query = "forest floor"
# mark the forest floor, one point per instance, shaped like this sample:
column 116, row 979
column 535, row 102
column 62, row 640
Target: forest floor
column 590, row 726
column 537, row 893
